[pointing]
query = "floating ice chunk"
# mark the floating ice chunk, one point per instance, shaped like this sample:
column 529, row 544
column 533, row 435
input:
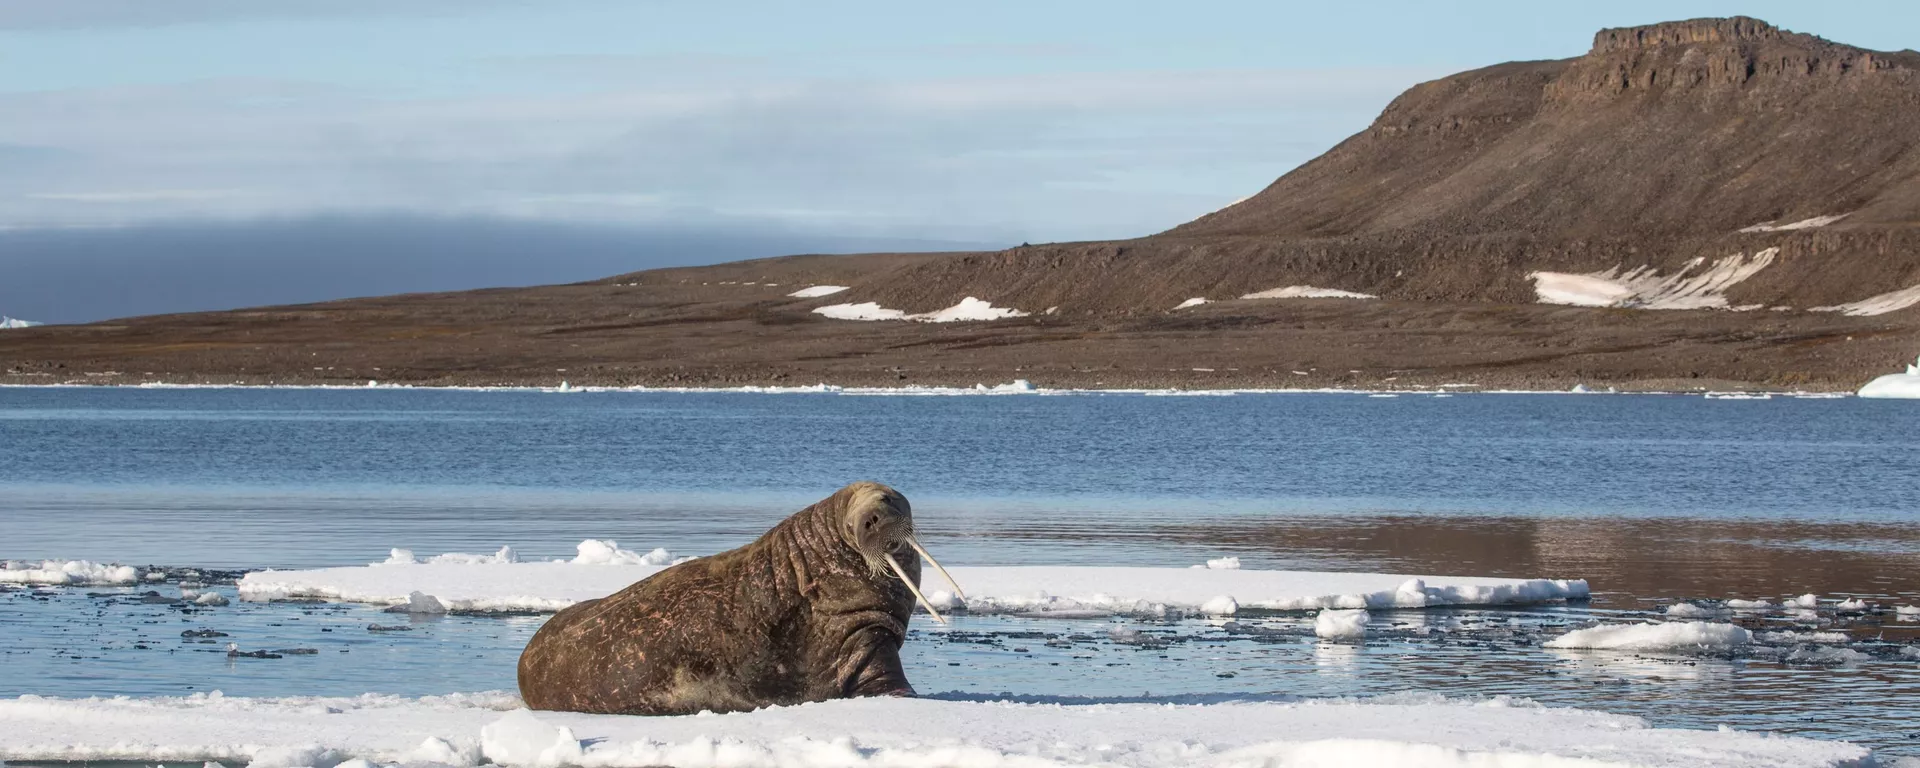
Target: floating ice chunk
column 1223, row 605
column 817, row 291
column 1644, row 288
column 1853, row 604
column 521, row 739
column 1908, row 612
column 1808, row 601
column 1796, row 638
column 1824, row 655
column 423, row 604
column 1193, row 302
column 212, row 599
column 1333, row 624
column 1750, row 605
column 1654, row 637
column 1813, row 223
column 1895, row 385
column 608, row 552
column 1224, row 564
column 67, row 572
column 1307, row 292
column 1690, row 611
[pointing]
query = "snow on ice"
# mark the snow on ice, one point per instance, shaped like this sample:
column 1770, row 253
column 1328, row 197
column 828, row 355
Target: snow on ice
column 817, row 291
column 1655, row 637
column 1895, row 385
column 969, row 309
column 66, row 573
column 1644, row 288
column 1307, row 292
column 472, row 584
column 1410, row 731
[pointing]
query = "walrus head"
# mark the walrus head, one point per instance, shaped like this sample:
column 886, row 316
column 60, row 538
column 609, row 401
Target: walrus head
column 878, row 523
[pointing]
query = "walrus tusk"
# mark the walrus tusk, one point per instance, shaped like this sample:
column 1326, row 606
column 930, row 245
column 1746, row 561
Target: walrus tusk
column 938, row 567
column 902, row 572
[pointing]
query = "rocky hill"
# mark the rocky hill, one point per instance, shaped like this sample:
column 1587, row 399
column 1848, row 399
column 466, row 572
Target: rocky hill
column 1713, row 203
column 1711, row 139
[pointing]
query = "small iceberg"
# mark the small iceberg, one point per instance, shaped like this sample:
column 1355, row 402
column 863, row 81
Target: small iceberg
column 1903, row 386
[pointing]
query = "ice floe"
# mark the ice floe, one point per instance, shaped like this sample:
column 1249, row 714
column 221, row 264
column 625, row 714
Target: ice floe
column 1813, row 223
column 1750, row 605
column 1409, row 731
column 817, row 291
column 1335, row 624
column 475, row 586
column 969, row 309
column 1653, row 637
column 1902, row 386
column 1307, row 292
column 66, row 572
column 1891, row 301
column 14, row 322
column 1693, row 287
column 1691, row 611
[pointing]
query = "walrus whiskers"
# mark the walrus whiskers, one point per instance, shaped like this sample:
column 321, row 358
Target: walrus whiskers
column 938, row 567
column 924, row 603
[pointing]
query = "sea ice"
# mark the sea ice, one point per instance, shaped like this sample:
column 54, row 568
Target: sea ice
column 1796, row 638
column 1750, row 605
column 817, row 291
column 1655, row 637
column 608, row 552
column 1644, row 288
column 1808, row 601
column 1853, row 604
column 66, row 572
column 1223, row 605
column 1410, row 731
column 1822, row 655
column 1335, row 624
column 1307, row 292
column 462, row 586
column 213, row 599
column 1895, row 385
column 1224, row 564
column 1908, row 612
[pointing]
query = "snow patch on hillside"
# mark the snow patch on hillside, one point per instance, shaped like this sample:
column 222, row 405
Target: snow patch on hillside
column 14, row 322
column 1193, row 302
column 969, row 309
column 1813, row 223
column 1307, row 292
column 817, row 291
column 1697, row 285
column 1891, row 301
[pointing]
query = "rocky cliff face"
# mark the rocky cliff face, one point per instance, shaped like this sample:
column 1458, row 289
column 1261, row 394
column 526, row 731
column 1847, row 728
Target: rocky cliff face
column 1663, row 144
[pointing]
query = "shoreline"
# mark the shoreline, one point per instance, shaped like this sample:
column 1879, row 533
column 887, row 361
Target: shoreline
column 1016, row 387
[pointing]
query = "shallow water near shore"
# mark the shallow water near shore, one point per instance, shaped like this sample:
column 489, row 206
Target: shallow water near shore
column 1651, row 498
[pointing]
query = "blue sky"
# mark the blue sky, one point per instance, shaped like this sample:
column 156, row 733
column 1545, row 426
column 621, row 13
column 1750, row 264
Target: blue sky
column 979, row 121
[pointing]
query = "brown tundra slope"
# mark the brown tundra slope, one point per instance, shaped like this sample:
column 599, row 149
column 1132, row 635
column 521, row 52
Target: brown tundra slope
column 1711, row 189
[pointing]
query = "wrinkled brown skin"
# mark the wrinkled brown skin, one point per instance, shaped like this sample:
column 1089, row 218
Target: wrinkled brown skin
column 799, row 615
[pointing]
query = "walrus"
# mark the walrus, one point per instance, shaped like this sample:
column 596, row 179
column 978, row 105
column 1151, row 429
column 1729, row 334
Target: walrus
column 814, row 609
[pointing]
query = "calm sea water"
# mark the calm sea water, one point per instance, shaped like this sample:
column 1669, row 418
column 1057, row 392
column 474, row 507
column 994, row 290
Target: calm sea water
column 1652, row 498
